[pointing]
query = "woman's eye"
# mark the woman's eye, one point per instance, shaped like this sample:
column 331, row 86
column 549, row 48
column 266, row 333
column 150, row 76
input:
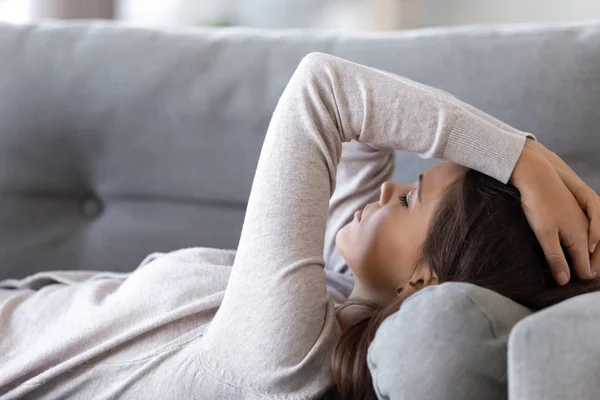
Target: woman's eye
column 404, row 200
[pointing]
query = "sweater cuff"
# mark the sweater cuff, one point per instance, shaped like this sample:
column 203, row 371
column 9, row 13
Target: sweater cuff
column 479, row 145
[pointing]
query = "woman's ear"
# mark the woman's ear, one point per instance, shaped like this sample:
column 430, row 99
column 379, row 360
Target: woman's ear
column 422, row 277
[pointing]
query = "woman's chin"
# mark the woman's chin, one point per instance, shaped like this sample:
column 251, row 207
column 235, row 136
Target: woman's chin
column 342, row 240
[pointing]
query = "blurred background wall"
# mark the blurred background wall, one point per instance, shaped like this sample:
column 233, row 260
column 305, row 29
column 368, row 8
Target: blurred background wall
column 70, row 9
column 323, row 14
column 459, row 12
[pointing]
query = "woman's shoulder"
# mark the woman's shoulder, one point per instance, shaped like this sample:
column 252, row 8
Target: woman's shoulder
column 195, row 255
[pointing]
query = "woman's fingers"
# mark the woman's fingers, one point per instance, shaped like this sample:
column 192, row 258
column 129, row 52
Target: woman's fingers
column 589, row 202
column 576, row 246
column 554, row 213
column 593, row 213
column 555, row 258
column 560, row 225
column 579, row 246
column 585, row 196
column 592, row 210
column 595, row 261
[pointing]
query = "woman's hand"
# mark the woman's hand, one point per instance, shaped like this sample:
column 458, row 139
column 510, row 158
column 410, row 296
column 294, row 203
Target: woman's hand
column 561, row 209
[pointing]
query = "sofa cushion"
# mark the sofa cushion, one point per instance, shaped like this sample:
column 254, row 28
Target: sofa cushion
column 555, row 353
column 447, row 341
column 116, row 142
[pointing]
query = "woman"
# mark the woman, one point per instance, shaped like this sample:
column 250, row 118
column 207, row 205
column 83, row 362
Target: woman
column 171, row 330
column 477, row 233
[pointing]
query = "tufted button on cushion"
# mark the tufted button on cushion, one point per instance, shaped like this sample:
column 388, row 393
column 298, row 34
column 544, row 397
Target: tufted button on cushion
column 91, row 207
column 175, row 153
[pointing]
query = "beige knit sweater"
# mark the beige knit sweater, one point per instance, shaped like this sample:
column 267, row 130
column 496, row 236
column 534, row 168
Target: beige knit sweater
column 260, row 323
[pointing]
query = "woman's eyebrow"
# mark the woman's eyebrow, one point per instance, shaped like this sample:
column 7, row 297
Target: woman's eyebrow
column 420, row 189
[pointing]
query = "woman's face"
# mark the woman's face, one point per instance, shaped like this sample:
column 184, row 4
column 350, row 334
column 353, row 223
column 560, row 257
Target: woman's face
column 382, row 243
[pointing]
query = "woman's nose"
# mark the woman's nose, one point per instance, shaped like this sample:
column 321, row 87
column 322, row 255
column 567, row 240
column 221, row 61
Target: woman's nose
column 387, row 191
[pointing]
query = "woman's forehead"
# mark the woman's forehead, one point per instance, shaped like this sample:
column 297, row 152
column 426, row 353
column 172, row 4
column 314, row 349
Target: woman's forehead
column 439, row 177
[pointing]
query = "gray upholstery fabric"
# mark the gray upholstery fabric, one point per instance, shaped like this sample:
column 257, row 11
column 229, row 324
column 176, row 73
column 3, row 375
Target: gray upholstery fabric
column 116, row 142
column 555, row 354
column 458, row 333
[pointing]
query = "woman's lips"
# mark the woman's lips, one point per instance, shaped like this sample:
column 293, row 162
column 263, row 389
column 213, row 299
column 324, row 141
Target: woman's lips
column 358, row 215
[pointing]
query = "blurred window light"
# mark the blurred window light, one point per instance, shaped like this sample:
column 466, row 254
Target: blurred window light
column 15, row 11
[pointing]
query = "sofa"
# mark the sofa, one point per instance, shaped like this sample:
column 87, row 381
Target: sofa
column 118, row 141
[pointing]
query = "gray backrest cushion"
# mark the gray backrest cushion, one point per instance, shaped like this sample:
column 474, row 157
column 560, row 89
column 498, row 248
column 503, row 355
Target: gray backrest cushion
column 446, row 342
column 116, row 142
column 555, row 353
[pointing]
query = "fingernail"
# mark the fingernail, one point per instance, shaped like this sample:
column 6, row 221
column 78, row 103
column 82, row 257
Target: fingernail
column 594, row 274
column 562, row 278
column 592, row 248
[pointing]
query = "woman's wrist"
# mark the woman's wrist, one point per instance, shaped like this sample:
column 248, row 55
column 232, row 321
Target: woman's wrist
column 527, row 166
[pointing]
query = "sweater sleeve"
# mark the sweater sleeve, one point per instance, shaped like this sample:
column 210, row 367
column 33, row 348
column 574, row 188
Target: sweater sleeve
column 468, row 108
column 361, row 172
column 275, row 330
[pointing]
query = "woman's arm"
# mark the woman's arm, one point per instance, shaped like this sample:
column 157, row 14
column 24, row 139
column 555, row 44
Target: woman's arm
column 276, row 327
column 467, row 107
column 361, row 172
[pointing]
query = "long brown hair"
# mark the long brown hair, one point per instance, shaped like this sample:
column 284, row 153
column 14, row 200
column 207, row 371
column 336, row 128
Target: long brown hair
column 478, row 234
